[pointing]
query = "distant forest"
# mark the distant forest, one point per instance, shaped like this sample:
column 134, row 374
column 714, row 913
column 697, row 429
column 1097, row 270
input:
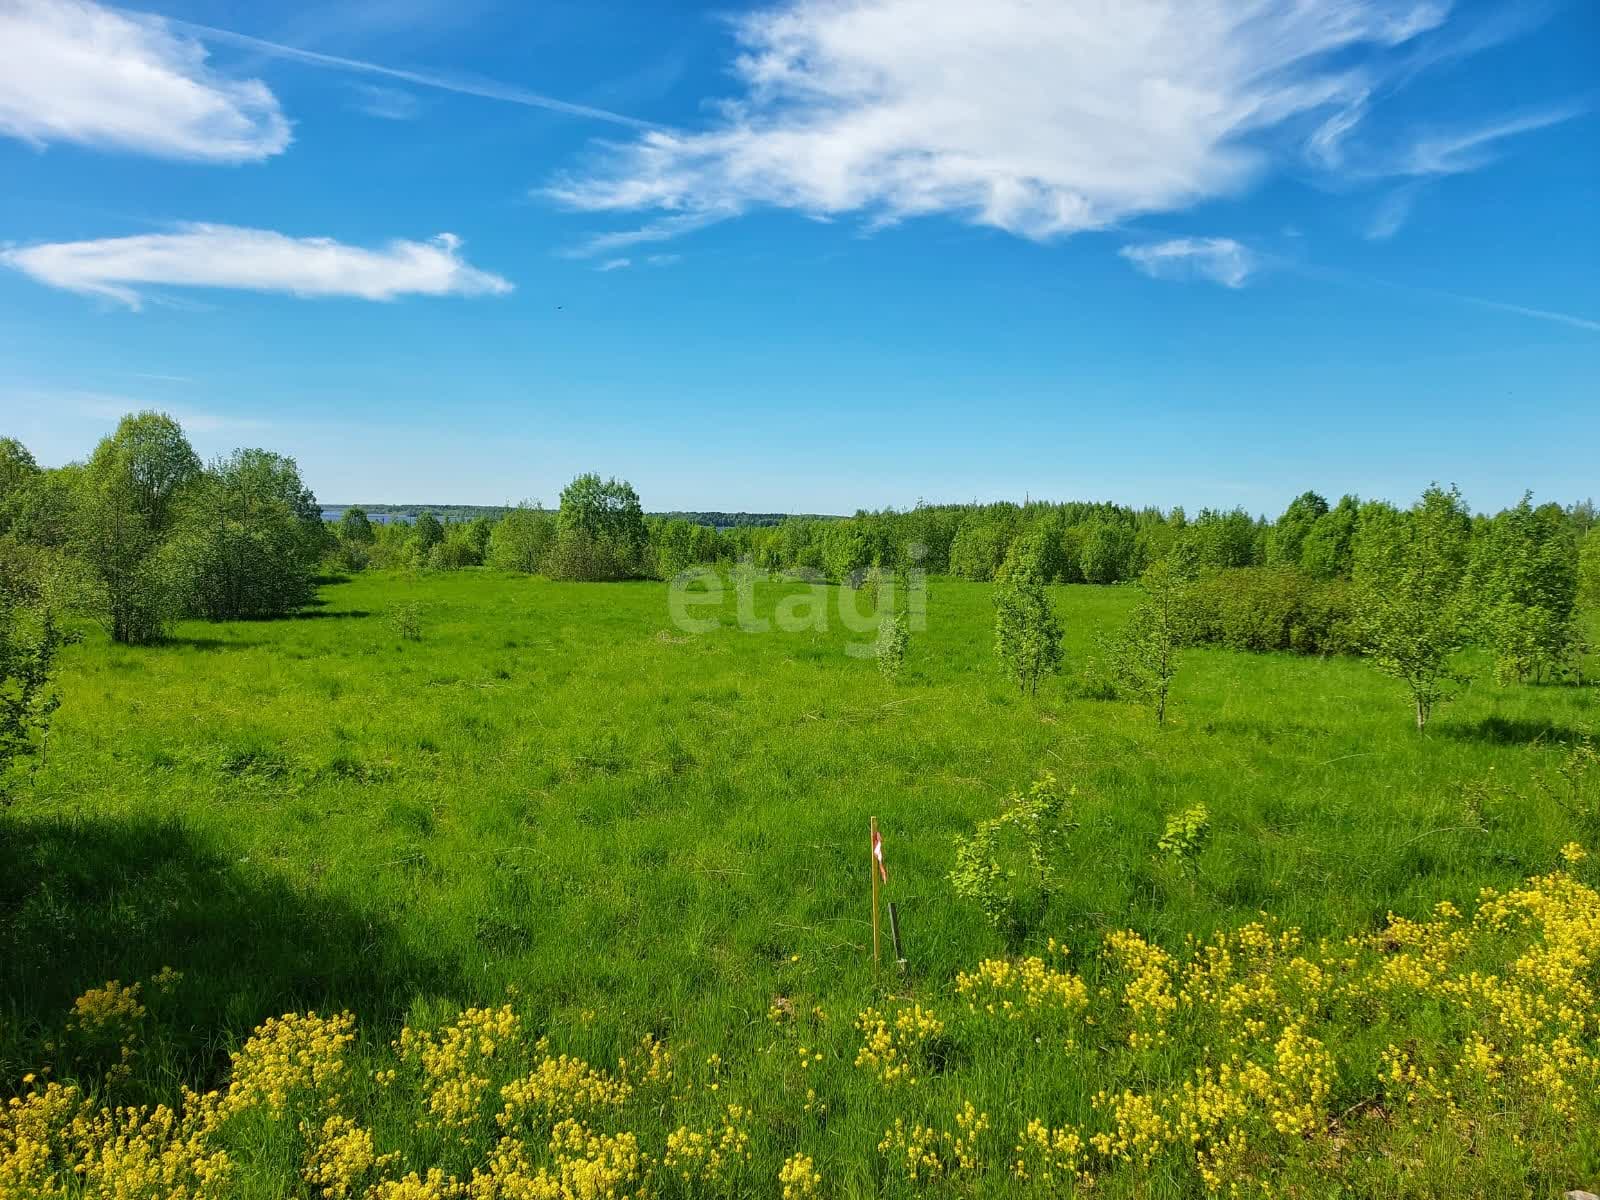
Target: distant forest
column 467, row 512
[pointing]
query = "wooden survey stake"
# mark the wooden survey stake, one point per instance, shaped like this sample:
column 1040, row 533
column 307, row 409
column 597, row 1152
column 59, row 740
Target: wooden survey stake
column 879, row 873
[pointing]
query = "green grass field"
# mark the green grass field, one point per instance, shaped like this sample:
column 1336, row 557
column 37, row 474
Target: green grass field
column 557, row 797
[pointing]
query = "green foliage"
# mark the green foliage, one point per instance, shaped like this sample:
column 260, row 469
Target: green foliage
column 1274, row 608
column 1108, row 553
column 1286, row 542
column 30, row 644
column 1185, row 836
column 1524, row 583
column 1027, row 632
column 405, row 620
column 248, row 539
column 1415, row 615
column 355, row 528
column 894, row 633
column 1010, row 866
column 1144, row 657
column 18, row 475
column 426, row 533
column 1328, row 549
column 600, row 531
column 521, row 538
column 1589, row 570
column 124, row 506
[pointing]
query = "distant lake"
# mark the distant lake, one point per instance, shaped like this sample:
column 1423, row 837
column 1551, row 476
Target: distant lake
column 333, row 514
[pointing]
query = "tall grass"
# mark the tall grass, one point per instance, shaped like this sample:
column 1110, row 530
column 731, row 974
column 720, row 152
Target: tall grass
column 548, row 792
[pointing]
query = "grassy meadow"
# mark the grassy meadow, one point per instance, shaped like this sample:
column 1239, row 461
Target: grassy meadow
column 554, row 800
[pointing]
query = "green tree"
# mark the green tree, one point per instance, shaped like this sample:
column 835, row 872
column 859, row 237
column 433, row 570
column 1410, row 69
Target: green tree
column 600, row 531
column 426, row 533
column 520, row 539
column 606, row 510
column 125, row 505
column 1524, row 582
column 1414, row 612
column 1027, row 632
column 1145, row 656
column 1589, row 570
column 1286, row 542
column 1107, row 553
column 248, row 540
column 1328, row 548
column 356, row 528
column 18, row 475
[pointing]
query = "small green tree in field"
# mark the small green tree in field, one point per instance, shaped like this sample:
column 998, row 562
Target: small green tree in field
column 30, row 642
column 1010, row 865
column 1027, row 632
column 894, row 632
column 1185, row 836
column 1144, row 659
column 1414, row 613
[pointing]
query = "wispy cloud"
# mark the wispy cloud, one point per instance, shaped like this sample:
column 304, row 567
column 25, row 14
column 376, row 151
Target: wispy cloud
column 662, row 230
column 468, row 85
column 111, row 407
column 1219, row 260
column 615, row 264
column 225, row 256
column 1393, row 211
column 1467, row 149
column 386, row 103
column 75, row 71
column 1039, row 119
column 664, row 260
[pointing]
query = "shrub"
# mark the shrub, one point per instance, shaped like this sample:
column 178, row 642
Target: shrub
column 521, row 538
column 1273, row 608
column 1010, row 864
column 1185, row 836
column 30, row 642
column 894, row 631
column 577, row 555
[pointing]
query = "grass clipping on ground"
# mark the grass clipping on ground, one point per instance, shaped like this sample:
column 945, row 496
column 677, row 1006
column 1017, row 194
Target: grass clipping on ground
column 1460, row 1047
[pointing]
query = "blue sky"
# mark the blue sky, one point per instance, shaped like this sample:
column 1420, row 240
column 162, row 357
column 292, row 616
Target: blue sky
column 813, row 256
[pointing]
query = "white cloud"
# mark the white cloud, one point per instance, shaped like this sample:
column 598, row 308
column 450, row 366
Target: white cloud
column 1468, row 149
column 74, row 71
column 224, row 256
column 1393, row 211
column 1042, row 119
column 1221, row 260
column 615, row 264
column 386, row 103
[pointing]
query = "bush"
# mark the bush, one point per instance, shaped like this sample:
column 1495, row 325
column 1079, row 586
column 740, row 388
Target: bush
column 30, row 641
column 1010, row 864
column 1274, row 608
column 893, row 634
column 580, row 556
column 521, row 538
